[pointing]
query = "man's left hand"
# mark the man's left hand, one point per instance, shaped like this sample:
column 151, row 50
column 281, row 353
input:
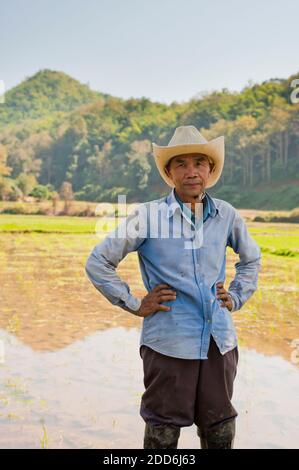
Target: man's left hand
column 224, row 296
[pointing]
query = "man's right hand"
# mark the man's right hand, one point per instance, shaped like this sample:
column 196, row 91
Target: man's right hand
column 151, row 302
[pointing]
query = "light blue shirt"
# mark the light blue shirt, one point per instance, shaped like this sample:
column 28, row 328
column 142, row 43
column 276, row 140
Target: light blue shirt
column 196, row 313
column 190, row 214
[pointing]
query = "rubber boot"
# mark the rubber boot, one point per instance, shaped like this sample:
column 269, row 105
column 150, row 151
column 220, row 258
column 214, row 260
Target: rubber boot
column 161, row 436
column 219, row 436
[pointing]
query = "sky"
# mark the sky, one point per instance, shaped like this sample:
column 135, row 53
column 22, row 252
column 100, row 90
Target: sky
column 165, row 50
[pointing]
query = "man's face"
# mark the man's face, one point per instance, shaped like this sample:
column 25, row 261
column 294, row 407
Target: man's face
column 189, row 173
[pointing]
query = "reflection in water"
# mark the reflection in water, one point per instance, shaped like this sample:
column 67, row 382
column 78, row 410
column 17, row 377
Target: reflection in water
column 72, row 375
column 87, row 395
column 48, row 302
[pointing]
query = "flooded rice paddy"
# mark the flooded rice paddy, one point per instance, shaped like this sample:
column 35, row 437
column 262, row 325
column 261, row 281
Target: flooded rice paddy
column 70, row 371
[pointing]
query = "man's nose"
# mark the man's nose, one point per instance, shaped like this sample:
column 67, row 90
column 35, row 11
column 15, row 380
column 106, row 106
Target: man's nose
column 192, row 172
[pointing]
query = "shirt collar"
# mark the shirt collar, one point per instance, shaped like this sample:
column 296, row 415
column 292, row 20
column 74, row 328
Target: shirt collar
column 174, row 205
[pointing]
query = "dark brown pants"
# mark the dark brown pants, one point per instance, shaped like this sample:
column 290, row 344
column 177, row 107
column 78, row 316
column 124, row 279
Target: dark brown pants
column 186, row 391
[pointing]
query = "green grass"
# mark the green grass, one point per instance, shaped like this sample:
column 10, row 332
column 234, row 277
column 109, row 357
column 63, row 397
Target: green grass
column 286, row 245
column 280, row 240
column 58, row 224
column 44, row 440
column 279, row 229
column 277, row 239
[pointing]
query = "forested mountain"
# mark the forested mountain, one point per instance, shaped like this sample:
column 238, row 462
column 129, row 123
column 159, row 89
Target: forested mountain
column 45, row 94
column 54, row 129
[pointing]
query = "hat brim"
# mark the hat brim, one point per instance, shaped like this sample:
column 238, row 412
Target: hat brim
column 213, row 149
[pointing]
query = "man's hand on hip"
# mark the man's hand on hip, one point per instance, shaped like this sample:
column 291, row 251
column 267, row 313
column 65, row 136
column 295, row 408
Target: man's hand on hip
column 151, row 302
column 224, row 296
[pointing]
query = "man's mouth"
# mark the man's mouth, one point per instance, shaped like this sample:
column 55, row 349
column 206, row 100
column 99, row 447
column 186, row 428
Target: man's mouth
column 192, row 184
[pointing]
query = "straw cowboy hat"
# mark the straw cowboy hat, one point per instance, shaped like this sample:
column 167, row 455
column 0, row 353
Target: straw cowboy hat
column 187, row 139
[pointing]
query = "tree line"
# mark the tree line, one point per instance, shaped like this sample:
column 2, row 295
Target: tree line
column 54, row 130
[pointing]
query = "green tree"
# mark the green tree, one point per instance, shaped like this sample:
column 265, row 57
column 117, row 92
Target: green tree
column 26, row 182
column 40, row 192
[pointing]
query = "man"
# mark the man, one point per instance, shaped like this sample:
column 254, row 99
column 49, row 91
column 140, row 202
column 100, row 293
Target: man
column 188, row 340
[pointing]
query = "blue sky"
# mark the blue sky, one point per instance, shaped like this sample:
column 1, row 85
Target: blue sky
column 166, row 50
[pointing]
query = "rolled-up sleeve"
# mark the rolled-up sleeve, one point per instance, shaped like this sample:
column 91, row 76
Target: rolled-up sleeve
column 103, row 260
column 245, row 282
